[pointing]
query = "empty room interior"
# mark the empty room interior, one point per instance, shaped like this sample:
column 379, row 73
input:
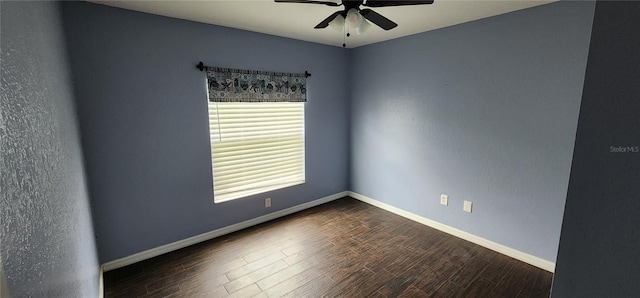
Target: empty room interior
column 478, row 149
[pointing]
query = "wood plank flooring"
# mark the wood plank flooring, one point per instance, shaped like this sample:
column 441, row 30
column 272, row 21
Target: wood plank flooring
column 344, row 248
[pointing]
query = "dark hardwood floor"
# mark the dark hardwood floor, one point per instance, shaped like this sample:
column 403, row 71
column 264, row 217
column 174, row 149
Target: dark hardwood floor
column 344, row 248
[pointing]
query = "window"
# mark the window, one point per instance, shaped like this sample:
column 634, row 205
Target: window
column 255, row 147
column 256, row 124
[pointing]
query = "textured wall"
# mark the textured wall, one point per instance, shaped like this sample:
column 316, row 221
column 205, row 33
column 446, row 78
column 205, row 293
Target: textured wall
column 47, row 242
column 484, row 111
column 143, row 114
column 598, row 255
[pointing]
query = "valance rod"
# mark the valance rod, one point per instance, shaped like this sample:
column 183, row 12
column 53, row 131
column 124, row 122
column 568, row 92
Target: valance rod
column 202, row 67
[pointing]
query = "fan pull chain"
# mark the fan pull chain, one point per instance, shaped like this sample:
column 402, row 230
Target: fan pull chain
column 344, row 39
column 344, row 43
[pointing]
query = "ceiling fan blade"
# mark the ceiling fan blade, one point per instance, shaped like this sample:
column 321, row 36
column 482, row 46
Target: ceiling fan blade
column 383, row 3
column 328, row 20
column 378, row 19
column 330, row 3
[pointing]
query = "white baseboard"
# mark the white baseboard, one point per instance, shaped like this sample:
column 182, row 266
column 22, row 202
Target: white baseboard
column 147, row 254
column 101, row 282
column 516, row 254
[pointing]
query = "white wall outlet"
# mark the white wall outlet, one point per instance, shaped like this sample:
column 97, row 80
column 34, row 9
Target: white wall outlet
column 267, row 202
column 444, row 199
column 467, row 206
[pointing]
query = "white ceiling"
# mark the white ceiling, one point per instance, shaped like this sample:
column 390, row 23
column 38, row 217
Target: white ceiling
column 297, row 20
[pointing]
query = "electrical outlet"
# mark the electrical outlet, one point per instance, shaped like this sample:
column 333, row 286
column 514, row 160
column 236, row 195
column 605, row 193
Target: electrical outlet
column 444, row 199
column 467, row 206
column 267, row 202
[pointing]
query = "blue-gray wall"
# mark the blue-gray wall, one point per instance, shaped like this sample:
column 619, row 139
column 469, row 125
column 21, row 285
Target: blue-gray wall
column 484, row 111
column 599, row 247
column 46, row 234
column 143, row 115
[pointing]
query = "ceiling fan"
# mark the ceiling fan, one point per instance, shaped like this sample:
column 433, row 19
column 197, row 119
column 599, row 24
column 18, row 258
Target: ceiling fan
column 353, row 15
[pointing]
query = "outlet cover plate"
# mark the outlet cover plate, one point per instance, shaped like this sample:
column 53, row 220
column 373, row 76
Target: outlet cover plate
column 467, row 206
column 444, row 199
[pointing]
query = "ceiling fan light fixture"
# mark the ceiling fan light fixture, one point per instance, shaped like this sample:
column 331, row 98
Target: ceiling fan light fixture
column 364, row 26
column 337, row 23
column 354, row 18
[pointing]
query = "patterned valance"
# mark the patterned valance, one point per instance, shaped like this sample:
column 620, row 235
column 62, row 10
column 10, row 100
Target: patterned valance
column 236, row 85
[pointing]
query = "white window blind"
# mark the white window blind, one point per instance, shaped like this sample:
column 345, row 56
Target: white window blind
column 255, row 147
